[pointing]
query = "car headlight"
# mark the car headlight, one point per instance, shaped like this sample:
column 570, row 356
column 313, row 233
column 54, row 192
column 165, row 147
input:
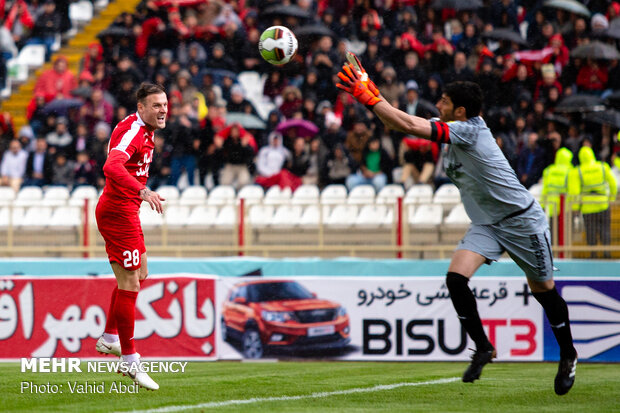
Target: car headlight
column 276, row 316
column 342, row 311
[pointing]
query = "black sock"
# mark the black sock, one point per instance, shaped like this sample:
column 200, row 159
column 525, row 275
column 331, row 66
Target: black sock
column 465, row 305
column 557, row 313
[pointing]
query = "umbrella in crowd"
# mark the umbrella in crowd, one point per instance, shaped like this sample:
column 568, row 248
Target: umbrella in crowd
column 613, row 100
column 286, row 10
column 247, row 120
column 558, row 120
column 580, row 103
column 572, row 6
column 61, row 106
column 315, row 30
column 115, row 31
column 303, row 128
column 596, row 50
column 82, row 92
column 505, row 34
column 607, row 117
column 457, row 4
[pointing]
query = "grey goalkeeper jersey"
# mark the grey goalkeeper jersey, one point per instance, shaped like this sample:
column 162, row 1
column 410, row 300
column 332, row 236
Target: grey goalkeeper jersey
column 490, row 190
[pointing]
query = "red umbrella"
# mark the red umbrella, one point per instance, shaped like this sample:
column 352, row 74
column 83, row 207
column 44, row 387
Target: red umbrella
column 304, row 128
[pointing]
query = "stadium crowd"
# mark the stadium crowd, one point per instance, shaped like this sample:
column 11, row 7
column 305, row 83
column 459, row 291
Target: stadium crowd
column 313, row 132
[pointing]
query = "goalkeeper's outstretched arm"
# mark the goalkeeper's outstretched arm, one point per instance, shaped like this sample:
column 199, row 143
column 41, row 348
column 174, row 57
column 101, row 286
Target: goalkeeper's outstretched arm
column 401, row 121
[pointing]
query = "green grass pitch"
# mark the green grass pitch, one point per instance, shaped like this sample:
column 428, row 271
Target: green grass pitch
column 311, row 386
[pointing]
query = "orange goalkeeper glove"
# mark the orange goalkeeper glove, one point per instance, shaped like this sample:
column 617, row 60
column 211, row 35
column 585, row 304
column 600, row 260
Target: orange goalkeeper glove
column 356, row 82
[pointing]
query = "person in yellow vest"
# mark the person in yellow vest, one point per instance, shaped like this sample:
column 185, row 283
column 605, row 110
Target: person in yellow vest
column 555, row 181
column 596, row 185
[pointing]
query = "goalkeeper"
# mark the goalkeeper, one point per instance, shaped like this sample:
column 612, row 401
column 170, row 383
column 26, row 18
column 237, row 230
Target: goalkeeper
column 505, row 216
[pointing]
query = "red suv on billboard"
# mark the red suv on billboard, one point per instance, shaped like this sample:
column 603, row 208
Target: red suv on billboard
column 282, row 314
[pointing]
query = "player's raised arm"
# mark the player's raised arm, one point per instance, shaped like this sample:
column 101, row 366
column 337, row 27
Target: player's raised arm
column 356, row 82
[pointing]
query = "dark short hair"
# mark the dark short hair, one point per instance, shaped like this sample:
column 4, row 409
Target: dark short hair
column 467, row 95
column 147, row 89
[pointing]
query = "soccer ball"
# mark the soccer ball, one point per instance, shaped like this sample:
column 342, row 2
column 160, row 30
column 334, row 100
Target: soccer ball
column 277, row 45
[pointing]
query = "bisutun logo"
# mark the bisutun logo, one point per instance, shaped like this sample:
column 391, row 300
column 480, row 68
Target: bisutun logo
column 595, row 320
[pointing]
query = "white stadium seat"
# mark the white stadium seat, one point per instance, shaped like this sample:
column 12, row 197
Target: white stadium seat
column 170, row 193
column 193, row 195
column 226, row 217
column 334, row 194
column 362, row 194
column 55, row 196
column 251, row 194
column 11, row 216
column 81, row 12
column 305, row 195
column 277, row 196
column 83, row 192
column 32, row 55
column 457, row 216
column 371, row 216
column 342, row 216
column 28, row 196
column 222, row 195
column 419, row 194
column 389, row 194
column 176, row 215
column 202, row 216
column 149, row 217
column 66, row 216
column 259, row 216
column 286, row 216
column 427, row 215
column 36, row 217
column 447, row 194
column 7, row 195
column 17, row 72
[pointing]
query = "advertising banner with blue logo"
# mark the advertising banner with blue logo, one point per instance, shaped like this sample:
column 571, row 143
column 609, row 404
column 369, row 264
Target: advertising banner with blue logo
column 594, row 308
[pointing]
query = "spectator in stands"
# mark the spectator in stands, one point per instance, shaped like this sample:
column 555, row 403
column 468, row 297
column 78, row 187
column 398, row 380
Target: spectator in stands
column 374, row 169
column 182, row 132
column 417, row 160
column 56, row 83
column 96, row 110
column 291, row 101
column 275, row 84
column 84, row 170
column 338, row 166
column 98, row 149
column 238, row 102
column 46, row 27
column 270, row 164
column 237, row 154
column 17, row 25
column 159, row 171
column 300, row 158
column 13, row 166
column 531, row 161
column 63, row 173
column 357, row 139
column 60, row 140
column 39, row 165
column 220, row 60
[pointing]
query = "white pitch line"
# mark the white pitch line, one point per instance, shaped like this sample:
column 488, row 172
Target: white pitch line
column 318, row 395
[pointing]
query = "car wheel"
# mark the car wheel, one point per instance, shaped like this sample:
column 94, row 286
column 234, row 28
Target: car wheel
column 252, row 345
column 225, row 335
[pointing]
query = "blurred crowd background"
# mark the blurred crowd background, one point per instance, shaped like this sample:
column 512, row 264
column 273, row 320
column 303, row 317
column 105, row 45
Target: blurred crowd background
column 549, row 72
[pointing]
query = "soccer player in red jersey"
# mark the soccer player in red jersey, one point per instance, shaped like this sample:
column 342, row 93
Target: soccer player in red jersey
column 130, row 153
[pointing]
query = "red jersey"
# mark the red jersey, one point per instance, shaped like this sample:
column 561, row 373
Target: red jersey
column 132, row 142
